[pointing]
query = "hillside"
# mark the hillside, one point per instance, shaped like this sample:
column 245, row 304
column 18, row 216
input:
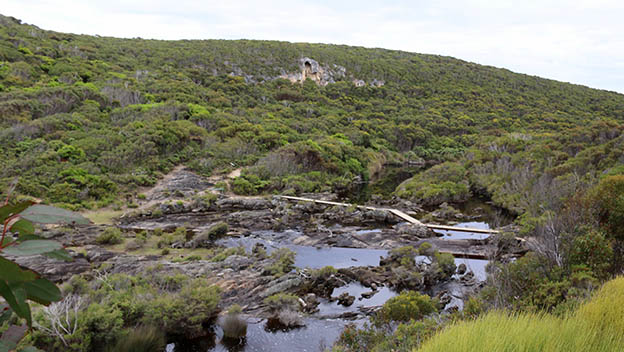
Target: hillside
column 86, row 117
column 186, row 138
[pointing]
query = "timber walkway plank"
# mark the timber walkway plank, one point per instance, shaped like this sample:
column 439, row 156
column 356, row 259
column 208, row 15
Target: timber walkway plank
column 396, row 212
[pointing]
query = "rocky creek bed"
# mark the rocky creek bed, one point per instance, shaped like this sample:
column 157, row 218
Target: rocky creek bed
column 361, row 245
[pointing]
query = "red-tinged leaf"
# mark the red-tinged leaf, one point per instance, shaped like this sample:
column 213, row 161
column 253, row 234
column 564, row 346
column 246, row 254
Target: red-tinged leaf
column 45, row 214
column 28, row 248
column 7, row 239
column 13, row 273
column 5, row 313
column 12, row 209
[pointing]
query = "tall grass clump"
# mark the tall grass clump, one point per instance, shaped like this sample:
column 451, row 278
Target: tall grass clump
column 233, row 325
column 605, row 310
column 596, row 326
column 142, row 339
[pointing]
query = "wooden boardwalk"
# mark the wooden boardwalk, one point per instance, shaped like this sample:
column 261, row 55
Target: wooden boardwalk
column 396, row 212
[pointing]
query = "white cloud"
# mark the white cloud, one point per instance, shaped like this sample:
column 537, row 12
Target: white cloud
column 575, row 41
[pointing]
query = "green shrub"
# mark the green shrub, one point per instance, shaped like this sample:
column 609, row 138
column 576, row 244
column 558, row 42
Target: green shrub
column 99, row 325
column 284, row 260
column 324, row 272
column 242, row 186
column 593, row 250
column 215, row 231
column 282, row 301
column 447, row 182
column 165, row 241
column 405, row 307
column 190, row 258
column 184, row 313
column 77, row 285
column 111, row 235
column 226, row 252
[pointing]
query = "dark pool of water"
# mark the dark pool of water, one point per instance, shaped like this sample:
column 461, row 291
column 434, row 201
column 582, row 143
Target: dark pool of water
column 476, row 265
column 337, row 257
column 317, row 335
column 307, row 256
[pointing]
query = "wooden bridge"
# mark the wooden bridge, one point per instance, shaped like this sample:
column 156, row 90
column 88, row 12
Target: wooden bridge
column 396, row 212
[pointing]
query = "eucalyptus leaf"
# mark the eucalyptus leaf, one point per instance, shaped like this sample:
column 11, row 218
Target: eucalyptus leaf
column 15, row 299
column 42, row 291
column 46, row 214
column 34, row 247
column 24, row 309
column 12, row 273
column 23, row 227
column 5, row 313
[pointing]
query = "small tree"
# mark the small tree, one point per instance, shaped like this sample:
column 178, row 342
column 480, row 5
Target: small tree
column 607, row 200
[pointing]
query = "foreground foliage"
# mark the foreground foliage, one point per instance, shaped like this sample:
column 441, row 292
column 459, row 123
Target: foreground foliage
column 19, row 286
column 596, row 326
column 99, row 313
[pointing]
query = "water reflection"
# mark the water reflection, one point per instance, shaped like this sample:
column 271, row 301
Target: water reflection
column 459, row 235
column 355, row 289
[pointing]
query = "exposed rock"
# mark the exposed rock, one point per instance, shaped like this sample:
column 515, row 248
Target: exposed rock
column 53, row 269
column 446, row 211
column 415, row 230
column 368, row 294
column 346, row 299
column 461, row 269
column 244, row 203
column 311, row 303
column 97, row 254
column 468, row 279
column 311, row 69
column 444, row 298
column 237, row 262
column 282, row 284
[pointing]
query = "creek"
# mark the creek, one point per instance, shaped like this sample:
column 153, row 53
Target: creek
column 323, row 328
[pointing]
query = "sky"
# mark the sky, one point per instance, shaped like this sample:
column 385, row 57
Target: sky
column 573, row 41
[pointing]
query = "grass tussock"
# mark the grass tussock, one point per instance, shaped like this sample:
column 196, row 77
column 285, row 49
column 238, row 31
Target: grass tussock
column 142, row 339
column 597, row 326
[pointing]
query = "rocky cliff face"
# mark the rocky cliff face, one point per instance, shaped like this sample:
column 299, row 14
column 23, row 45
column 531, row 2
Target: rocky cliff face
column 310, row 68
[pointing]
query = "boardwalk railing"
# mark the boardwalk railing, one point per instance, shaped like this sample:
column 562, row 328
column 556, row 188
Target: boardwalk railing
column 396, row 212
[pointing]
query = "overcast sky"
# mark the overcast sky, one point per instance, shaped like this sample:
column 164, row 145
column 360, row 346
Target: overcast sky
column 573, row 41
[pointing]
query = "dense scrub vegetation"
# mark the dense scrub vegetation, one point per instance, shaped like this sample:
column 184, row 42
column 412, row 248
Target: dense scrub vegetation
column 86, row 118
column 96, row 315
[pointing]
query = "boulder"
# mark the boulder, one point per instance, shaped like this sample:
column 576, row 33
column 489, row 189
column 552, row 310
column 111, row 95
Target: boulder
column 346, row 299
